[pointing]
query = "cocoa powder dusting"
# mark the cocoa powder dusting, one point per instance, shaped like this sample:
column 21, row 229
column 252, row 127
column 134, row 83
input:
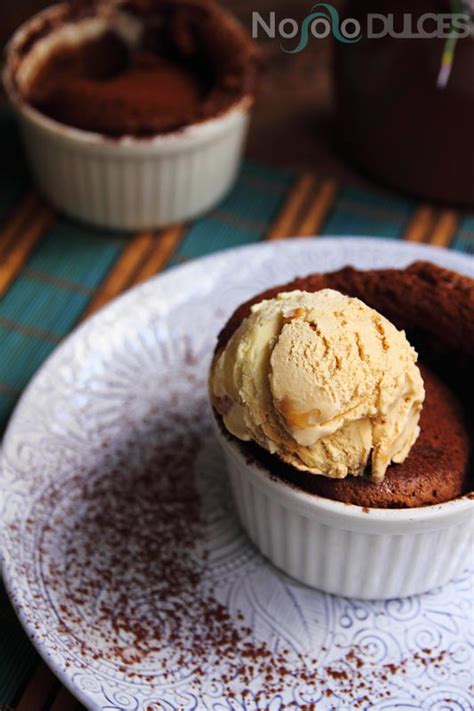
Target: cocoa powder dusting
column 136, row 585
column 192, row 62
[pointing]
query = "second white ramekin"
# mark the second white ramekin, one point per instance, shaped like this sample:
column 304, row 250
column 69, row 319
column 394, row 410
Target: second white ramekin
column 345, row 549
column 128, row 183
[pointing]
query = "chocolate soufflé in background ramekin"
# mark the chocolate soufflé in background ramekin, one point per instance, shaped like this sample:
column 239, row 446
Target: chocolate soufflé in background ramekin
column 134, row 113
column 342, row 402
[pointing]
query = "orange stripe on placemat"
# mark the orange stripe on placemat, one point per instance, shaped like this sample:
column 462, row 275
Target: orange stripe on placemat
column 319, row 208
column 30, row 331
column 242, row 222
column 288, row 219
column 64, row 701
column 165, row 246
column 420, row 224
column 9, row 391
column 444, row 229
column 57, row 281
column 39, row 689
column 144, row 256
column 37, row 221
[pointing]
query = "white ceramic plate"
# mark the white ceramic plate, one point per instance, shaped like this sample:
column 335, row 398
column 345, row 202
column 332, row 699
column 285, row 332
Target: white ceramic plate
column 121, row 550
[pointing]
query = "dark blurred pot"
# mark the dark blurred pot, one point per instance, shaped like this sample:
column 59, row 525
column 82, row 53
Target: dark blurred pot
column 392, row 118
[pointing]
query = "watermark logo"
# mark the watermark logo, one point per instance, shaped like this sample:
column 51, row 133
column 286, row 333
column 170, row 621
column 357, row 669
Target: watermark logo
column 324, row 20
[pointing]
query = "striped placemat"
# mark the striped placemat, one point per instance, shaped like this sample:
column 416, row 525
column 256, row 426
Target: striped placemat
column 54, row 272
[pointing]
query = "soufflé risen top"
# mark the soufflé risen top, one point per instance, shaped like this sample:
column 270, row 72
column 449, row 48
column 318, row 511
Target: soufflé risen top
column 324, row 381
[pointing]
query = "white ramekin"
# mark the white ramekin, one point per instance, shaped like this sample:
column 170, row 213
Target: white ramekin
column 128, row 183
column 345, row 549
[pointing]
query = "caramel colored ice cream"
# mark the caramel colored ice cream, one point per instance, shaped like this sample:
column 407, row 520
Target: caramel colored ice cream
column 323, row 381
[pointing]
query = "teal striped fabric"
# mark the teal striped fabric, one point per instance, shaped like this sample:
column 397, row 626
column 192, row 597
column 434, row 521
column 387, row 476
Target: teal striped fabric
column 46, row 300
column 464, row 239
column 70, row 262
column 242, row 218
column 365, row 212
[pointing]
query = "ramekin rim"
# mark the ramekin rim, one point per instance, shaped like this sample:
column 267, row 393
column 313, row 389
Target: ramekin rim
column 354, row 512
column 194, row 130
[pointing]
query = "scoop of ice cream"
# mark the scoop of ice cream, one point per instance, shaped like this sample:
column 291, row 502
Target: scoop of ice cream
column 323, row 381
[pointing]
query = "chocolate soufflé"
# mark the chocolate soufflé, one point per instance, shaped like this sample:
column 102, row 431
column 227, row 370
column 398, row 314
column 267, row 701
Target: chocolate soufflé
column 436, row 309
column 154, row 66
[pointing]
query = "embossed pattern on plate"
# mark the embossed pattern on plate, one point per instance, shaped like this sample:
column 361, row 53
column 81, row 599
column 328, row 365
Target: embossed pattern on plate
column 121, row 549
